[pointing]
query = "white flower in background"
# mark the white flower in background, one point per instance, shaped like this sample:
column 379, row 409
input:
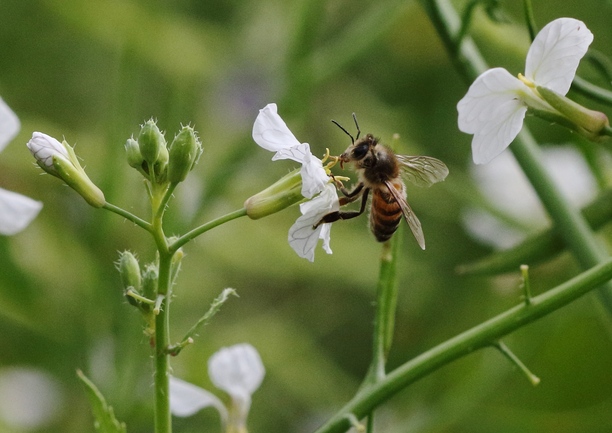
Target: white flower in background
column 517, row 208
column 495, row 105
column 271, row 133
column 16, row 210
column 303, row 237
column 238, row 371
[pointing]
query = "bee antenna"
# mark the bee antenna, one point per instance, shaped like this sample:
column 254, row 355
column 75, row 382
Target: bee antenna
column 357, row 125
column 345, row 131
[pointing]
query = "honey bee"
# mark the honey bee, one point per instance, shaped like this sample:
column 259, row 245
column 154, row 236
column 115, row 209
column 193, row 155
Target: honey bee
column 381, row 172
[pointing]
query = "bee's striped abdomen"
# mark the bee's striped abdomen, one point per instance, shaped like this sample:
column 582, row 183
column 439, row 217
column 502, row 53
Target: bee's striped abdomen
column 386, row 213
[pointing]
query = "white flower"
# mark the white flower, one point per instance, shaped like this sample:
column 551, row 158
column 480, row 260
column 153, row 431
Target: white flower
column 303, row 237
column 271, row 133
column 495, row 105
column 16, row 210
column 237, row 370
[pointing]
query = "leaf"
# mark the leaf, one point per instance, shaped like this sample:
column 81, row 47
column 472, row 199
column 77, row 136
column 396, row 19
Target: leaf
column 105, row 417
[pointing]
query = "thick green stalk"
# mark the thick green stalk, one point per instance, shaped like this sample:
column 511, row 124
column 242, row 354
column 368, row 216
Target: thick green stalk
column 482, row 335
column 568, row 221
column 163, row 417
column 163, row 420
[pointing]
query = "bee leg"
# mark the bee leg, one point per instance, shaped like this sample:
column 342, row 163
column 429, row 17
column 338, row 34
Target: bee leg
column 345, row 215
column 349, row 194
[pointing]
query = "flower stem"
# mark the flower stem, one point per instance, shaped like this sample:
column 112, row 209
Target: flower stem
column 129, row 216
column 480, row 336
column 162, row 365
column 205, row 227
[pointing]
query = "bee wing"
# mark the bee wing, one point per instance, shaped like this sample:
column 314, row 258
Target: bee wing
column 422, row 170
column 411, row 218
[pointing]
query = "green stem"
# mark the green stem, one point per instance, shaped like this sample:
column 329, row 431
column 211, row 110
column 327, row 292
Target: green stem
column 530, row 19
column 478, row 337
column 205, row 227
column 127, row 215
column 568, row 221
column 386, row 302
column 163, row 421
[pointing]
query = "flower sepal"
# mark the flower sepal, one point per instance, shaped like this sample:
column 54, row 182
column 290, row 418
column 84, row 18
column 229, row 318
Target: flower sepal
column 285, row 192
column 589, row 123
column 76, row 179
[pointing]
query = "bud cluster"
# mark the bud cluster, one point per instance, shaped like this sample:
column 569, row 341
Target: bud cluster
column 159, row 162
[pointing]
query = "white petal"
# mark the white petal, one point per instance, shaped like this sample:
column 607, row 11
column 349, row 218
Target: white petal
column 187, row 399
column 297, row 153
column 44, row 147
column 237, row 370
column 271, row 132
column 555, row 53
column 9, row 124
column 493, row 111
column 314, row 176
column 302, row 237
column 16, row 212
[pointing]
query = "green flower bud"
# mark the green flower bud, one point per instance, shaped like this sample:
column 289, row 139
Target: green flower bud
column 129, row 269
column 278, row 196
column 149, row 281
column 161, row 166
column 587, row 122
column 150, row 141
column 134, row 157
column 185, row 151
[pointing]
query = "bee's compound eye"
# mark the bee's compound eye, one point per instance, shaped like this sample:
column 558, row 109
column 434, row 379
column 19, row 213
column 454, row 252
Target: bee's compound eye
column 360, row 151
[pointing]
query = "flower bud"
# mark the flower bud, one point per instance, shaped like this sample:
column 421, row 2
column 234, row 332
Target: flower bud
column 149, row 281
column 60, row 160
column 278, row 196
column 150, row 141
column 587, row 122
column 129, row 269
column 134, row 157
column 184, row 153
column 44, row 147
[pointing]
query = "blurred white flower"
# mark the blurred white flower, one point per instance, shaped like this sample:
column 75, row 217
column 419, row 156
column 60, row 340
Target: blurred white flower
column 495, row 105
column 271, row 133
column 16, row 210
column 30, row 399
column 303, row 237
column 505, row 186
column 238, row 371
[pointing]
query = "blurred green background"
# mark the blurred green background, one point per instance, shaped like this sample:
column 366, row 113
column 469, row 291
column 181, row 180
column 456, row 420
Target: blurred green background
column 92, row 71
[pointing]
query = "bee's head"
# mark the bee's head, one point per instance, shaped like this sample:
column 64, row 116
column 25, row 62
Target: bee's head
column 361, row 152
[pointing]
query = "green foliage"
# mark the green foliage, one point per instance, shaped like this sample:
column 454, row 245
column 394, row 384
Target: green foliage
column 103, row 413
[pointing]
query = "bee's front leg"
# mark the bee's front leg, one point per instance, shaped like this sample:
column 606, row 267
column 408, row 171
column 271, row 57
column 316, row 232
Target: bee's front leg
column 346, row 215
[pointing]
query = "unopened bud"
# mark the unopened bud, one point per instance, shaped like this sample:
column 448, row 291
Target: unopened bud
column 278, row 196
column 150, row 141
column 184, row 153
column 149, row 281
column 60, row 160
column 134, row 157
column 129, row 269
